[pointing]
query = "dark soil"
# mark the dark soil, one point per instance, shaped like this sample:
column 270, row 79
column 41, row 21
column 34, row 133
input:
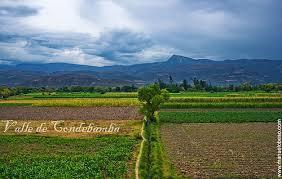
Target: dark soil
column 71, row 113
column 222, row 150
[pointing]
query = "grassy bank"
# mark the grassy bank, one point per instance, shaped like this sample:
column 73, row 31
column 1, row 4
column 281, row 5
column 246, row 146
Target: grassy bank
column 154, row 162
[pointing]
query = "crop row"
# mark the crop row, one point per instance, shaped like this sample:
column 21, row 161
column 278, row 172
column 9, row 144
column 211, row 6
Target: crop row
column 75, row 102
column 225, row 99
column 174, row 103
column 220, row 116
column 227, row 94
column 222, row 105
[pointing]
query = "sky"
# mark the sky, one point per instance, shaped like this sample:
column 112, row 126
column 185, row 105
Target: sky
column 124, row 32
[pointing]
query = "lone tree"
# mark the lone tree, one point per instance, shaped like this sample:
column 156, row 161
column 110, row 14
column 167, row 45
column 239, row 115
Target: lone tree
column 151, row 98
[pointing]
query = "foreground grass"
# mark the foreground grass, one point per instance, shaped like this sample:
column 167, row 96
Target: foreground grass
column 35, row 157
column 219, row 116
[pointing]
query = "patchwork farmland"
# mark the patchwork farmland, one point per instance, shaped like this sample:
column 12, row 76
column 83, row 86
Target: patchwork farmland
column 197, row 134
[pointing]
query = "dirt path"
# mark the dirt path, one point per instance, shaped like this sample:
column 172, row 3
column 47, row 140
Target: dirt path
column 71, row 113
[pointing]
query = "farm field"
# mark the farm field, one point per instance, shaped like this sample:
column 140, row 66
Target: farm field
column 216, row 122
column 177, row 101
column 80, row 95
column 99, row 128
column 220, row 116
column 222, row 150
column 134, row 95
column 60, row 153
column 34, row 157
column 69, row 113
column 220, row 142
column 71, row 102
column 109, row 150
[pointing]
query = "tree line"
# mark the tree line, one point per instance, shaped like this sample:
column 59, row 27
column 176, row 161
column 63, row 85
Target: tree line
column 6, row 92
column 203, row 85
column 170, row 86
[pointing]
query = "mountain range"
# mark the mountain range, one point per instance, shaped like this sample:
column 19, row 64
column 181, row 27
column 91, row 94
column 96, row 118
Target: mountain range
column 256, row 71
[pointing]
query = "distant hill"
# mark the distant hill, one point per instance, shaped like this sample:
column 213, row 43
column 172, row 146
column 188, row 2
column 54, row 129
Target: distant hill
column 256, row 71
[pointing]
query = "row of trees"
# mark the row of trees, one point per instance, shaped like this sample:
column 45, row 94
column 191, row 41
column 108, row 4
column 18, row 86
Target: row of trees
column 202, row 85
column 97, row 89
column 171, row 86
column 5, row 92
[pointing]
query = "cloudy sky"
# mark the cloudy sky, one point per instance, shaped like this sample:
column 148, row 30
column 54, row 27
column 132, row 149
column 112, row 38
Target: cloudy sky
column 108, row 32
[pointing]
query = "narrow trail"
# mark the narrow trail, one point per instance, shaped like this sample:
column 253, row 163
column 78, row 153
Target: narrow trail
column 140, row 153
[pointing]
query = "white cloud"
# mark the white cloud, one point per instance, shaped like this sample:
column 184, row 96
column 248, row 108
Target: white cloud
column 77, row 56
column 153, row 54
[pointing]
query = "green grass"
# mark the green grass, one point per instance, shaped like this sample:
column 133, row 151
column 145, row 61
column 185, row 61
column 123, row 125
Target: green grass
column 53, row 157
column 219, row 116
column 154, row 161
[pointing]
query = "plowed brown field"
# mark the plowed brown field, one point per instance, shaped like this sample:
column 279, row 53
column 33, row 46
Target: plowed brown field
column 69, row 113
column 222, row 150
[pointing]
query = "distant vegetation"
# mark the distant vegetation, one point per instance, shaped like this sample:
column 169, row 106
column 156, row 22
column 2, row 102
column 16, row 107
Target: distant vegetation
column 96, row 91
column 202, row 85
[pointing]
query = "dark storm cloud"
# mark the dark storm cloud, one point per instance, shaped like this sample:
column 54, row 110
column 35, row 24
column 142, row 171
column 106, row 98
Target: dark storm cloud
column 127, row 32
column 17, row 11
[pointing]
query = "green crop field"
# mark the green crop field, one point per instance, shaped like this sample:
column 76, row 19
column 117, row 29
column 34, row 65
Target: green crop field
column 224, row 99
column 35, row 157
column 177, row 100
column 115, row 156
column 222, row 105
column 227, row 94
column 219, row 116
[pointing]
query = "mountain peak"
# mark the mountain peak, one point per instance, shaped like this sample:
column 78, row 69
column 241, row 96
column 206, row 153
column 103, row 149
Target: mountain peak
column 179, row 59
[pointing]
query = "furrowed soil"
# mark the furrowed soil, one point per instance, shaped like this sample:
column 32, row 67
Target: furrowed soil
column 222, row 150
column 69, row 113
